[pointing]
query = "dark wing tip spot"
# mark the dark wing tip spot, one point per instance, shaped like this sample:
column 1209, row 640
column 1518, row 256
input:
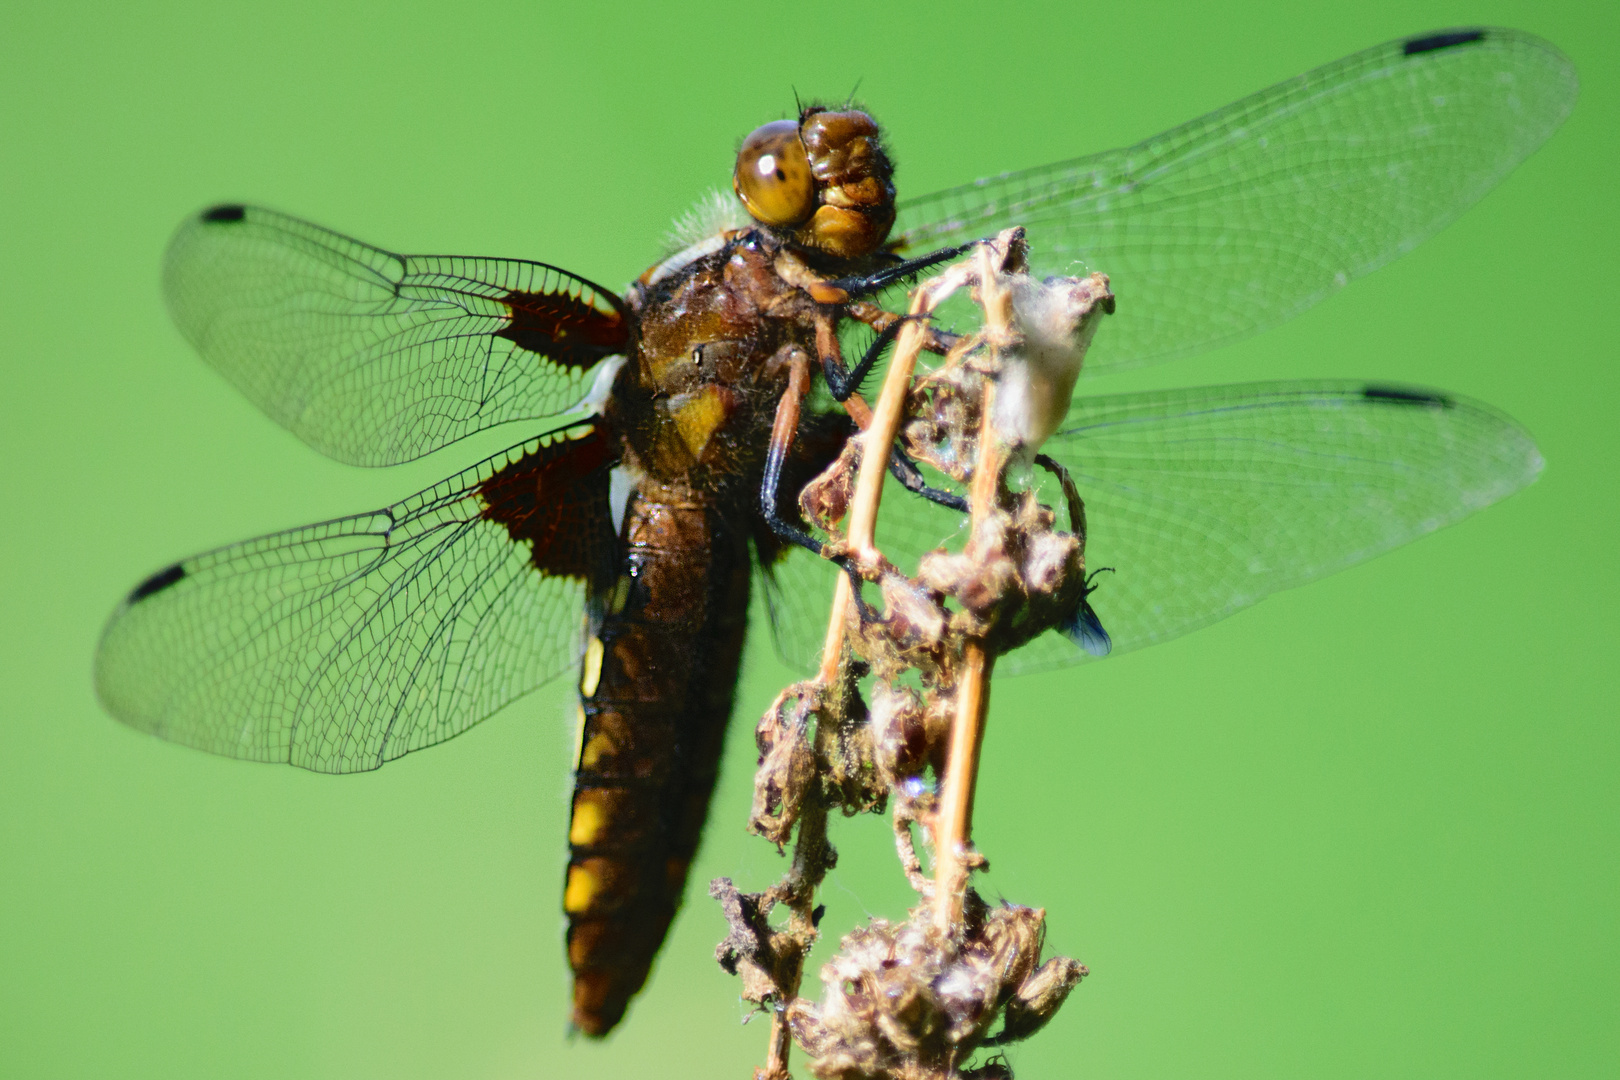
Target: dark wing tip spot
column 1398, row 396
column 227, row 212
column 157, row 582
column 1448, row 39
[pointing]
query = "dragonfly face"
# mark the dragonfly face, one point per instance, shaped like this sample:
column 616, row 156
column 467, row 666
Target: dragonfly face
column 824, row 181
column 672, row 427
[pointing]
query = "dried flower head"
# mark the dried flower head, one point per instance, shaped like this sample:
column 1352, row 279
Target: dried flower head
column 910, row 1002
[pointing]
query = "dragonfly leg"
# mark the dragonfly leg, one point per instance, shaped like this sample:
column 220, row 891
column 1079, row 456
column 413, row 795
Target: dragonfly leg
column 878, row 280
column 935, row 341
column 1082, row 627
column 903, row 469
column 783, row 430
column 843, row 382
column 863, row 610
column 1071, row 494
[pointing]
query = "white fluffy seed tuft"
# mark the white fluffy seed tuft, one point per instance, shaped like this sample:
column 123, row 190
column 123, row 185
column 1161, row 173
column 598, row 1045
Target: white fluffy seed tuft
column 1057, row 318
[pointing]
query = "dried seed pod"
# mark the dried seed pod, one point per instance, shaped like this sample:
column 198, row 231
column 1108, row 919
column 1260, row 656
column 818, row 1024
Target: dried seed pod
column 787, row 763
column 847, row 758
column 904, row 1001
column 911, row 630
column 825, row 499
column 747, row 950
column 900, row 733
column 943, row 421
column 1050, row 559
column 1039, row 997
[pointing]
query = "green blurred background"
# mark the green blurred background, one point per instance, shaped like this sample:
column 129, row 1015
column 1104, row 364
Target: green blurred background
column 1366, row 829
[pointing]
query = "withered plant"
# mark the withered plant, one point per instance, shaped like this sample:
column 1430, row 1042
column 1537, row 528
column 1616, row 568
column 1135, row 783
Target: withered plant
column 917, row 999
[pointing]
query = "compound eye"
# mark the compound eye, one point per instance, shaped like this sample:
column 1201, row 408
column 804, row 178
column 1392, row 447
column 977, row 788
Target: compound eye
column 773, row 175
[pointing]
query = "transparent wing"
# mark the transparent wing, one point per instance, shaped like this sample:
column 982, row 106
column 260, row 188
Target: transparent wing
column 798, row 591
column 340, row 646
column 375, row 358
column 1206, row 500
column 1244, row 218
column 798, row 586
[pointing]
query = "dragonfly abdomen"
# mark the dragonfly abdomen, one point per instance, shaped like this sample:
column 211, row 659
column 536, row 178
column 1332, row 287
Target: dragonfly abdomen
column 656, row 690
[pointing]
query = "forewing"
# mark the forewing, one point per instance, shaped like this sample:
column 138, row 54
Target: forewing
column 375, row 358
column 342, row 645
column 1244, row 218
column 1204, row 501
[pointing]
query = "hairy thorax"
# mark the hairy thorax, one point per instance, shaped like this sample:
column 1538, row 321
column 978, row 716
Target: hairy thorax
column 715, row 336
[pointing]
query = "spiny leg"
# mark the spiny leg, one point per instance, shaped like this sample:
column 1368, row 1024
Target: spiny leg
column 1083, row 627
column 783, row 429
column 1071, row 494
column 888, row 324
column 903, row 469
column 831, row 354
column 939, row 342
column 878, row 280
column 842, row 382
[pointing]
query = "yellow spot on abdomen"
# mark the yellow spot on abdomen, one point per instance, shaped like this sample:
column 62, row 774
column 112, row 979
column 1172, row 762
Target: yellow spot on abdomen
column 584, row 885
column 586, row 827
column 591, row 671
column 600, row 746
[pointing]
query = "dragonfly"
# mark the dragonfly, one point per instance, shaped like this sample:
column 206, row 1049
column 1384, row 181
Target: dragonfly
column 670, row 427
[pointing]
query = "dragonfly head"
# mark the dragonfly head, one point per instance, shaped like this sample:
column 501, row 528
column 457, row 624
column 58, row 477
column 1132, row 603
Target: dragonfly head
column 823, row 181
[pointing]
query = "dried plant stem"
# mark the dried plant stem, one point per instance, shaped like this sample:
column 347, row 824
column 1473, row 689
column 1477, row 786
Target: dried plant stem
column 810, row 858
column 879, row 438
column 776, row 1060
column 832, row 650
column 953, row 825
column 876, row 441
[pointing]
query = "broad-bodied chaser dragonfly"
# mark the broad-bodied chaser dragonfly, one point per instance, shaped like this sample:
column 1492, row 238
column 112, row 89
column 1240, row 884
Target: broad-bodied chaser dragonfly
column 682, row 418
